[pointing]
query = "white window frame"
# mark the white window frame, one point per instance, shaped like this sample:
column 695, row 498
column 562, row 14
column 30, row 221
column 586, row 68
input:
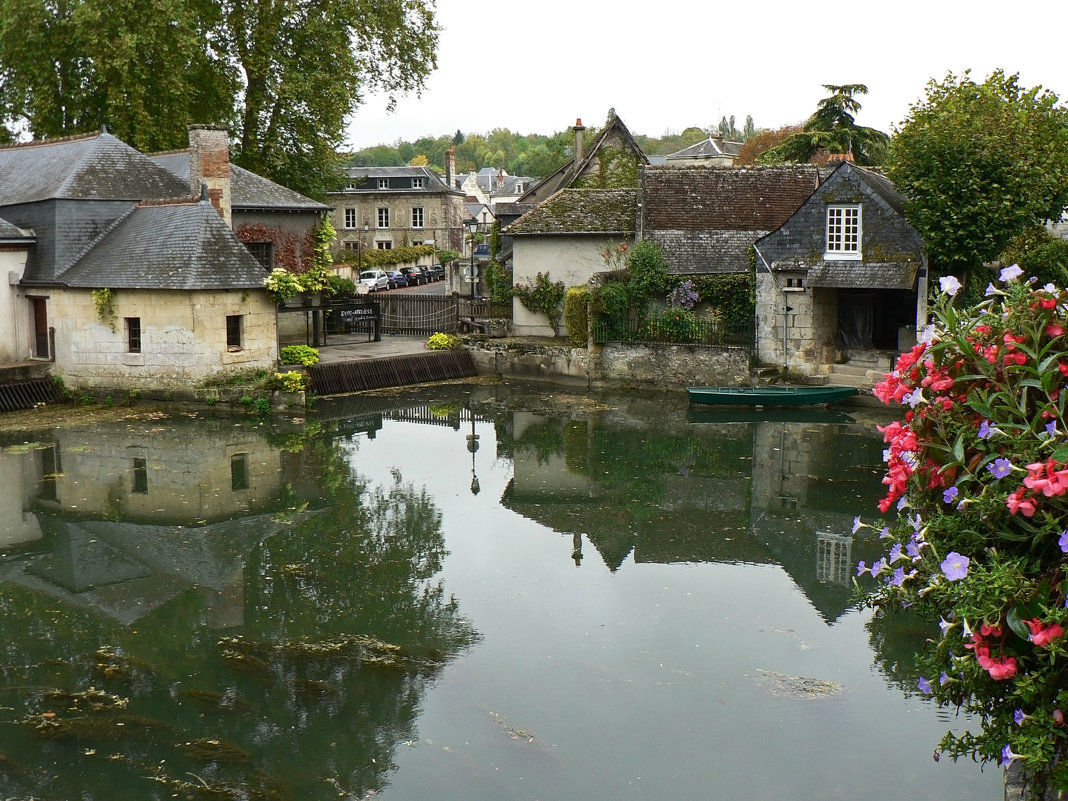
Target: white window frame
column 352, row 218
column 383, row 216
column 417, row 183
column 383, row 183
column 843, row 233
column 417, row 217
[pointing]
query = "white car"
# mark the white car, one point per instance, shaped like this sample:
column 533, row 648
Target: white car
column 374, row 280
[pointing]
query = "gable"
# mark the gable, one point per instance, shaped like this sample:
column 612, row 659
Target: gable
column 890, row 250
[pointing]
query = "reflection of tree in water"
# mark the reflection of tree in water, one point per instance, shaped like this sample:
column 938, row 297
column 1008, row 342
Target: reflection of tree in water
column 343, row 626
column 896, row 640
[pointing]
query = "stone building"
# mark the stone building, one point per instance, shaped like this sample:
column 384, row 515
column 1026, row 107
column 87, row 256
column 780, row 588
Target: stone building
column 844, row 276
column 385, row 208
column 121, row 277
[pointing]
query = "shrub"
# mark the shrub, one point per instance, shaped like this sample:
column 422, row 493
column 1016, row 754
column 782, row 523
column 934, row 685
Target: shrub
column 978, row 474
column 544, row 297
column 282, row 285
column 674, row 325
column 576, row 316
column 291, row 381
column 299, row 354
column 441, row 341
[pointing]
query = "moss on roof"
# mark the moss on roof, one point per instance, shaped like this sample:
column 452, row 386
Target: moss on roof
column 581, row 211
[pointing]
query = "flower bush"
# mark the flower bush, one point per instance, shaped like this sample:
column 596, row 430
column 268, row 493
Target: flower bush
column 683, row 296
column 977, row 473
column 290, row 381
column 299, row 354
column 282, row 285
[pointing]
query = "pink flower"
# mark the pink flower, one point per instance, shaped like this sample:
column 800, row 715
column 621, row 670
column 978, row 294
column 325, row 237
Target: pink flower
column 1017, row 503
column 1043, row 634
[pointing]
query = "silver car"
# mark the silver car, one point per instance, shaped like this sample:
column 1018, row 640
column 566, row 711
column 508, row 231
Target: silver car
column 374, row 280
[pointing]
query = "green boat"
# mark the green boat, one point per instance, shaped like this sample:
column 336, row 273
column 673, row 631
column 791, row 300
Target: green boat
column 773, row 395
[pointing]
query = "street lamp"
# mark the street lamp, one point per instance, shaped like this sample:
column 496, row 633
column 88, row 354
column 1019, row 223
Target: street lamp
column 472, row 227
column 472, row 446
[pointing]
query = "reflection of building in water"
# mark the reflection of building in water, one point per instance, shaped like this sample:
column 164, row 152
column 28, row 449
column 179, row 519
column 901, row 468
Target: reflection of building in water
column 122, row 520
column 729, row 492
column 834, row 558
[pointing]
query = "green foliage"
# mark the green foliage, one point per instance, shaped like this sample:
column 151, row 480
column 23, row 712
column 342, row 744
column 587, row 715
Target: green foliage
column 498, row 282
column 832, row 129
column 445, row 256
column 282, row 285
column 979, row 164
column 732, row 296
column 674, row 325
column 648, row 273
column 979, row 472
column 544, row 297
column 285, row 77
column 1039, row 254
column 440, row 341
column 576, row 315
column 372, row 258
column 299, row 354
column 261, row 405
column 336, row 286
column 104, row 301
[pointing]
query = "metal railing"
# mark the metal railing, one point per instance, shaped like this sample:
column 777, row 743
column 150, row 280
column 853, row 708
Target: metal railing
column 687, row 331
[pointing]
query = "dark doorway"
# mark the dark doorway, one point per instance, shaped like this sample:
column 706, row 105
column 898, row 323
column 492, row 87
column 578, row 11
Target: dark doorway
column 40, row 328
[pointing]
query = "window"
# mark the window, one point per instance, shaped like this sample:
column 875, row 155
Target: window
column 417, row 183
column 417, row 217
column 233, row 332
column 352, row 246
column 843, row 232
column 350, row 218
column 140, row 476
column 263, row 252
column 239, row 471
column 350, row 184
column 383, row 217
column 384, row 245
column 133, row 334
column 383, row 183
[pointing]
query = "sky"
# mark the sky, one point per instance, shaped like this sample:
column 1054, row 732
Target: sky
column 536, row 67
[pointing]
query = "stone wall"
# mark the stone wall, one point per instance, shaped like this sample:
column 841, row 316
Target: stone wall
column 795, row 330
column 183, row 338
column 623, row 366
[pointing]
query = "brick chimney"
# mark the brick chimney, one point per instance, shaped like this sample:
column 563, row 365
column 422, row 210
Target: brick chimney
column 578, row 129
column 209, row 165
column 450, row 168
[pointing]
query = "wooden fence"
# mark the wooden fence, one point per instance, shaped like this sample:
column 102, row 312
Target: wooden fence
column 430, row 314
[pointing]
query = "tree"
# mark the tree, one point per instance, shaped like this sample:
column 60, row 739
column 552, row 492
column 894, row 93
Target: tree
column 979, row 164
column 758, row 144
column 284, row 75
column 832, row 129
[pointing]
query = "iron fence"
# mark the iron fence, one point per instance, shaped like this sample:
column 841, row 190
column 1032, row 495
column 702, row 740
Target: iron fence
column 429, row 314
column 687, row 331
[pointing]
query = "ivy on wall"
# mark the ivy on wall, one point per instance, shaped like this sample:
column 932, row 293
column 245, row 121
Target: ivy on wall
column 292, row 251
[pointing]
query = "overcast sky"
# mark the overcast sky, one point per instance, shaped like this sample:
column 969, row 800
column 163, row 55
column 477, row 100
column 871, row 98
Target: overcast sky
column 537, row 65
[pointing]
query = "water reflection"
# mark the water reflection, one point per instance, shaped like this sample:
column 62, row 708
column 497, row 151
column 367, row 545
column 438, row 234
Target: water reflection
column 196, row 605
column 453, row 592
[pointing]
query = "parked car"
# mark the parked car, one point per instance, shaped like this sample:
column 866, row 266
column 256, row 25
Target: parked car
column 415, row 275
column 437, row 272
column 374, row 280
column 396, row 279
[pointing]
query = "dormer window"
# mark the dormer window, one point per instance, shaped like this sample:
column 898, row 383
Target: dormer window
column 417, row 183
column 350, row 185
column 383, row 183
column 843, row 233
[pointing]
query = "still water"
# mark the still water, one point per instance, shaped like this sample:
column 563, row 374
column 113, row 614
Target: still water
column 455, row 593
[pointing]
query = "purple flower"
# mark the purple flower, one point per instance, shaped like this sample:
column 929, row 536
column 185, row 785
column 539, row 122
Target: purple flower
column 927, row 335
column 1019, row 717
column 913, row 549
column 955, row 566
column 945, row 625
column 1063, row 541
column 1009, row 273
column 914, row 398
column 1008, row 757
column 1051, row 428
column 898, row 578
column 949, row 494
column 895, row 552
column 992, row 290
column 862, row 567
column 986, row 430
column 1000, row 467
column 884, row 532
column 949, row 284
column 944, row 679
column 924, row 685
column 857, row 525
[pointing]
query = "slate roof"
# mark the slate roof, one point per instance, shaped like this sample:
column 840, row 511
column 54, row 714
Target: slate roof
column 94, row 166
column 581, row 211
column 10, row 233
column 862, row 275
column 565, row 174
column 248, row 191
column 705, row 219
column 366, row 180
column 167, row 245
column 709, row 148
